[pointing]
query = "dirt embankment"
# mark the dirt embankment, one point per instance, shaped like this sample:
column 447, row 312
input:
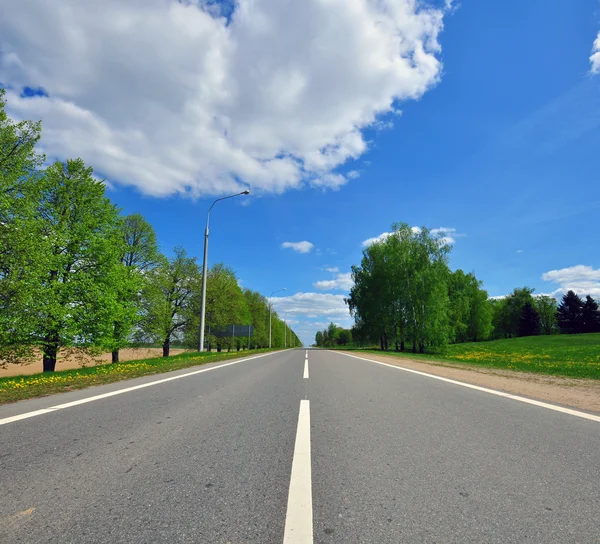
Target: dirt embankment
column 576, row 393
column 75, row 359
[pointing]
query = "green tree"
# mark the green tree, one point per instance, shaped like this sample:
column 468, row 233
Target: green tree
column 569, row 314
column 590, row 315
column 167, row 299
column 259, row 312
column 546, row 308
column 21, row 263
column 470, row 314
column 80, row 247
column 344, row 337
column 319, row 339
column 139, row 254
column 508, row 311
column 400, row 289
column 530, row 321
column 225, row 305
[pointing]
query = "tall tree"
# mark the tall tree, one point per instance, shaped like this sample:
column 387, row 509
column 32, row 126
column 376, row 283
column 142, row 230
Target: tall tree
column 590, row 315
column 530, row 321
column 139, row 254
column 508, row 311
column 546, row 308
column 21, row 266
column 470, row 314
column 167, row 299
column 569, row 314
column 400, row 289
column 225, row 305
column 259, row 312
column 80, row 244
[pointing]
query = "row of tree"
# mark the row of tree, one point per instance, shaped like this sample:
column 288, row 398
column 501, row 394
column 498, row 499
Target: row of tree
column 405, row 294
column 333, row 336
column 75, row 272
column 524, row 314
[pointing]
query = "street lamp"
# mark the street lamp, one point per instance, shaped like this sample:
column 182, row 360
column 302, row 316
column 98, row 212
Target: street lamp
column 270, row 309
column 204, row 266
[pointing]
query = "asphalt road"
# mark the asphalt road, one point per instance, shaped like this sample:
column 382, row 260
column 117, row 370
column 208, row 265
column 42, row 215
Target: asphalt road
column 274, row 449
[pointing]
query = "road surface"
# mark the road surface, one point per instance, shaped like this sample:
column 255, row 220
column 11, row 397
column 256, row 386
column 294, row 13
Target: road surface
column 296, row 447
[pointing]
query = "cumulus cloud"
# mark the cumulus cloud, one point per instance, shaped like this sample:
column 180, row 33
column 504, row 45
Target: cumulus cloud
column 342, row 282
column 313, row 304
column 200, row 97
column 584, row 280
column 595, row 58
column 332, row 269
column 449, row 237
column 300, row 247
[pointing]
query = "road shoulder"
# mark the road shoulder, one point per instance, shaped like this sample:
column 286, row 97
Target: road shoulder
column 572, row 392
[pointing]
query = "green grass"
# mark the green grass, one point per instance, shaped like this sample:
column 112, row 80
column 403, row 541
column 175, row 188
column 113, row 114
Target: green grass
column 576, row 355
column 16, row 388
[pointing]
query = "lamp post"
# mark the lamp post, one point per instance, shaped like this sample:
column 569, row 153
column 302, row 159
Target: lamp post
column 270, row 310
column 205, row 265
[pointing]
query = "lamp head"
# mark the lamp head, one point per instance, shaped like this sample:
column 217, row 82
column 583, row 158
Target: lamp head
column 246, row 192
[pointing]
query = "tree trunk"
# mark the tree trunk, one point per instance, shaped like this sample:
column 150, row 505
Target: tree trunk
column 401, row 345
column 50, row 351
column 422, row 348
column 117, row 328
column 414, row 346
column 167, row 346
column 381, row 342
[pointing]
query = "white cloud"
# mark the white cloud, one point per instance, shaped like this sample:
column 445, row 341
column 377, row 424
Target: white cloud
column 520, row 251
column 595, row 58
column 172, row 97
column 312, row 304
column 353, row 174
column 584, row 280
column 449, row 238
column 332, row 269
column 376, row 239
column 449, row 233
column 342, row 282
column 300, row 247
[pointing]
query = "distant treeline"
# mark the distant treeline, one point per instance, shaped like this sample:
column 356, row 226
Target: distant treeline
column 75, row 272
column 333, row 336
column 406, row 296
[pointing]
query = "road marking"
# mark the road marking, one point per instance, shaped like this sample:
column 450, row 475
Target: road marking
column 554, row 407
column 35, row 413
column 306, row 368
column 299, row 516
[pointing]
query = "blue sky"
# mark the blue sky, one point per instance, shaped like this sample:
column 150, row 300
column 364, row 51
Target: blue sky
column 498, row 142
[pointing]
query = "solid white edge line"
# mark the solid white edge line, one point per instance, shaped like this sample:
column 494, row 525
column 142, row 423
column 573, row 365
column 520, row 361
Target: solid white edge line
column 299, row 514
column 541, row 404
column 35, row 413
column 306, row 369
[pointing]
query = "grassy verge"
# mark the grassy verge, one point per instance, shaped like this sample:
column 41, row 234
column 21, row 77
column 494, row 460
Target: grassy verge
column 16, row 388
column 575, row 356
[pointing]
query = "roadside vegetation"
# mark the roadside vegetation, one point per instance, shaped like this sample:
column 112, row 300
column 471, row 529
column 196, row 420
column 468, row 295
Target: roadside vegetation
column 75, row 272
column 40, row 385
column 574, row 356
column 406, row 298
